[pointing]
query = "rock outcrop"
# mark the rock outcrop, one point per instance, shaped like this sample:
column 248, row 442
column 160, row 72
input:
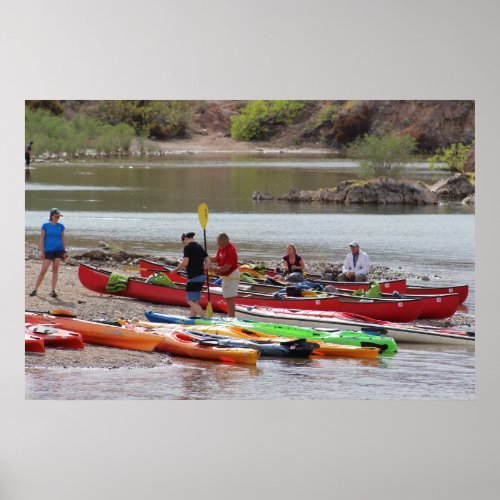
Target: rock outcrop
column 454, row 188
column 379, row 191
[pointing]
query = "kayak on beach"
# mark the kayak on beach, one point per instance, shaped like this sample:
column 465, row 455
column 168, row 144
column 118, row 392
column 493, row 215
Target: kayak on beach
column 323, row 348
column 32, row 343
column 328, row 320
column 276, row 348
column 55, row 337
column 356, row 338
column 98, row 333
column 182, row 343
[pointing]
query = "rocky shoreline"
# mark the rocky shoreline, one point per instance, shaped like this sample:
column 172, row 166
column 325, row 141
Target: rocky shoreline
column 72, row 296
column 383, row 191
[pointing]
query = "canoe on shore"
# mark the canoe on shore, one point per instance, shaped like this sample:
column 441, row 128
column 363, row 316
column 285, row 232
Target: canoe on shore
column 328, row 320
column 149, row 267
column 437, row 303
column 93, row 332
column 400, row 310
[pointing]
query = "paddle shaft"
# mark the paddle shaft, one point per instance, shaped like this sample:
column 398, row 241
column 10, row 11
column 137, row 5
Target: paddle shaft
column 208, row 279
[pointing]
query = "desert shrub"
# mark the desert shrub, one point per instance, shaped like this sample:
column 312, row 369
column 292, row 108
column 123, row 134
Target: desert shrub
column 382, row 156
column 257, row 118
column 453, row 158
column 55, row 134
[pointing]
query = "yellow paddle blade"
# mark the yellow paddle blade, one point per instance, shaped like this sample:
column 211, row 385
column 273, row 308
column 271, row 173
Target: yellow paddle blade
column 209, row 311
column 62, row 312
column 203, row 214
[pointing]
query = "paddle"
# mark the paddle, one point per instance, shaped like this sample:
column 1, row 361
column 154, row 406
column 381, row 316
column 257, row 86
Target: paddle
column 56, row 312
column 203, row 216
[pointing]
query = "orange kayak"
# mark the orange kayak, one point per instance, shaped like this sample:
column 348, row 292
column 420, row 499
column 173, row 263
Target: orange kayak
column 99, row 333
column 33, row 343
column 180, row 343
column 324, row 349
column 55, row 337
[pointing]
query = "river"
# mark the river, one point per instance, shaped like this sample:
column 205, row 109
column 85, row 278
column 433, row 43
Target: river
column 144, row 206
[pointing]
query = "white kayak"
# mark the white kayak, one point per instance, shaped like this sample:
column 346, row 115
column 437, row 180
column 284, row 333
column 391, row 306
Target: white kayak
column 331, row 320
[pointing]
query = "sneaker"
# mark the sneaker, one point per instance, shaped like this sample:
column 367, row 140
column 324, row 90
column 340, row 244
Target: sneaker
column 33, row 293
column 53, row 294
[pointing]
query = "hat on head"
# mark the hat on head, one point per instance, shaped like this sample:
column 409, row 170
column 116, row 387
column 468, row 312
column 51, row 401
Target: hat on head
column 55, row 211
column 354, row 244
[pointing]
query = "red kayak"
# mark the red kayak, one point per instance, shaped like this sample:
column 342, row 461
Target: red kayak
column 400, row 310
column 33, row 343
column 55, row 337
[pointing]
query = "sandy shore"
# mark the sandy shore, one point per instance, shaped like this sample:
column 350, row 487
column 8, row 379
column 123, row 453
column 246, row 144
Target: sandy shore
column 72, row 296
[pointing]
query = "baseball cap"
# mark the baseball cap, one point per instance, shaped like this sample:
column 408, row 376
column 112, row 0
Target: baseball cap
column 354, row 244
column 55, row 211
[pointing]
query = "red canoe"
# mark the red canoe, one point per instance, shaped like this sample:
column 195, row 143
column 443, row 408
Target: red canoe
column 433, row 306
column 461, row 290
column 148, row 267
column 55, row 337
column 399, row 310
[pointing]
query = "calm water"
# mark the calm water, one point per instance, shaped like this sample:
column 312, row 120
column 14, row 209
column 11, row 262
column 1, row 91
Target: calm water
column 145, row 206
column 412, row 373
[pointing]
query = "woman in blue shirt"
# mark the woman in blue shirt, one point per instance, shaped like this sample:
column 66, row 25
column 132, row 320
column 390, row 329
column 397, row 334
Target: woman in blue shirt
column 52, row 250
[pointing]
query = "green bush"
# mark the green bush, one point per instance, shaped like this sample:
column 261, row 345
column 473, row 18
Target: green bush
column 382, row 156
column 257, row 118
column 55, row 134
column 454, row 157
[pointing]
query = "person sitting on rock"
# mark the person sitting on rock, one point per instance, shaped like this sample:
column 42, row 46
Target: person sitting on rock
column 356, row 265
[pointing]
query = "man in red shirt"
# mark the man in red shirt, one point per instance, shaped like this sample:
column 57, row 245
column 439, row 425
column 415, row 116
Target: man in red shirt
column 227, row 268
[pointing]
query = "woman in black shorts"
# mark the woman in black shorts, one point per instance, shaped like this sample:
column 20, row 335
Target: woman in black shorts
column 52, row 250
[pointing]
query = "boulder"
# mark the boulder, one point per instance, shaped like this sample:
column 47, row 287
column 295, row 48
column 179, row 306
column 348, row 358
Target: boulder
column 258, row 195
column 389, row 192
column 456, row 187
column 470, row 200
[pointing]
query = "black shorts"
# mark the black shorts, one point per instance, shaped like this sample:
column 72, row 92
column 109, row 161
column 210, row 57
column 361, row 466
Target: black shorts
column 27, row 158
column 59, row 254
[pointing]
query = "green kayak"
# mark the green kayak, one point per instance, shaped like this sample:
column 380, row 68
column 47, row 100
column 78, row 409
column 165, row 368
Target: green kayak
column 387, row 345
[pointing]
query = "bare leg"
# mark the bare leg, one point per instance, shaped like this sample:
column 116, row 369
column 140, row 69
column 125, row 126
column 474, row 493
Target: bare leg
column 45, row 265
column 196, row 309
column 55, row 273
column 230, row 307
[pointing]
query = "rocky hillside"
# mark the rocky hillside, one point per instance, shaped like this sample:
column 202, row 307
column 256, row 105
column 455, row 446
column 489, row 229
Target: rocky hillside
column 325, row 124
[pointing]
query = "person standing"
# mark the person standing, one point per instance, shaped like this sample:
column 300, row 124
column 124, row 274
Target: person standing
column 356, row 265
column 196, row 261
column 27, row 153
column 293, row 262
column 52, row 250
column 226, row 261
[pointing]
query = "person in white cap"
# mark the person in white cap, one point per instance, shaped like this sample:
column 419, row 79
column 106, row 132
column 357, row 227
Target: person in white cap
column 356, row 265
